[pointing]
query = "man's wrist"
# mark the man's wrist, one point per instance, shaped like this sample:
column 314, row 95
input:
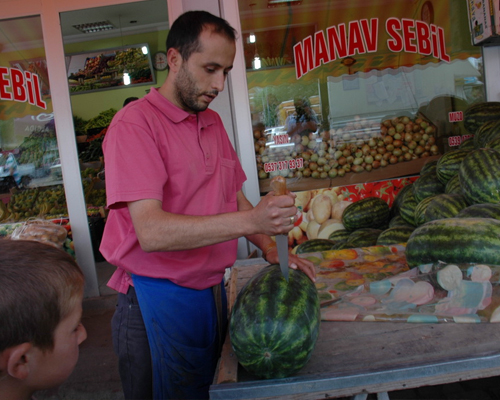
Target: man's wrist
column 267, row 249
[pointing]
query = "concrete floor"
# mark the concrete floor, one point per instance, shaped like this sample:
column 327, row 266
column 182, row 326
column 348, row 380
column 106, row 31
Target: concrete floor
column 96, row 374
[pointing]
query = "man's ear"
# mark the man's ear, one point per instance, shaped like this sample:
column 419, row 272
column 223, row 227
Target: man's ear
column 14, row 361
column 174, row 59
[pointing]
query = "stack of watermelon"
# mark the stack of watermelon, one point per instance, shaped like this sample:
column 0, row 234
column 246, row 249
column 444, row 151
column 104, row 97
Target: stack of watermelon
column 463, row 184
column 466, row 229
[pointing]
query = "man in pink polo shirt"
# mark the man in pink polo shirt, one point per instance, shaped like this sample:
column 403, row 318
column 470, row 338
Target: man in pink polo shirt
column 173, row 182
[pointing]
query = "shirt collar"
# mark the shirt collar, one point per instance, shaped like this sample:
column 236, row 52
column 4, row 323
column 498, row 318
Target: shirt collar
column 176, row 114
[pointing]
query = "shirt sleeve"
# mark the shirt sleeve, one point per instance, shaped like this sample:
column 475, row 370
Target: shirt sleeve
column 133, row 164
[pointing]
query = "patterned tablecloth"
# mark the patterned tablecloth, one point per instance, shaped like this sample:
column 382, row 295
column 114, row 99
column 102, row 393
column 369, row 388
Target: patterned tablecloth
column 375, row 284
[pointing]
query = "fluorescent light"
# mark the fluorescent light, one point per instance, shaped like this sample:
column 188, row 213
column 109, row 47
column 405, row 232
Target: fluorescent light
column 126, row 78
column 251, row 38
column 274, row 3
column 92, row 27
column 256, row 62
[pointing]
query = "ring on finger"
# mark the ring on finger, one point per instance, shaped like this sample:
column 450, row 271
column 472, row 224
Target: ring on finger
column 292, row 220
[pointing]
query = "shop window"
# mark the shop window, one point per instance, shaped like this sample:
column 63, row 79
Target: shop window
column 358, row 68
column 31, row 185
column 109, row 55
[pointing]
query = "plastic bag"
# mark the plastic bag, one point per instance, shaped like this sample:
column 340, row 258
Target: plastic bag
column 41, row 231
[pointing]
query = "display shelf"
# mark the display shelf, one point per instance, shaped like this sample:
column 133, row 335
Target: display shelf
column 391, row 171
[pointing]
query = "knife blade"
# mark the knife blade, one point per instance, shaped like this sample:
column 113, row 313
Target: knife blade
column 278, row 184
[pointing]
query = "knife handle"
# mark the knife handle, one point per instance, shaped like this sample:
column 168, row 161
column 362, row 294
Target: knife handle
column 278, row 184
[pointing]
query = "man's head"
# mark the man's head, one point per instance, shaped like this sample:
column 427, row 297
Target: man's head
column 41, row 290
column 184, row 35
column 302, row 105
column 200, row 53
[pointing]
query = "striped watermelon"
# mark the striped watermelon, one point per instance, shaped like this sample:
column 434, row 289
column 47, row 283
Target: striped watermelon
column 487, row 210
column 455, row 240
column 363, row 237
column 479, row 113
column 486, row 133
column 398, row 199
column 275, row 324
column 479, row 176
column 428, row 166
column 398, row 221
column 427, row 185
column 453, row 185
column 449, row 163
column 395, row 235
column 438, row 207
column 407, row 208
column 314, row 245
column 339, row 234
column 493, row 144
column 370, row 212
column 467, row 144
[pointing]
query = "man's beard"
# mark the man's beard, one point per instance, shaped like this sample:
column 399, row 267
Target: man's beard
column 187, row 92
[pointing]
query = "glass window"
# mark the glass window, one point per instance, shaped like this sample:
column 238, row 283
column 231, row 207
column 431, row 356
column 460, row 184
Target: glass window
column 340, row 92
column 109, row 59
column 31, row 186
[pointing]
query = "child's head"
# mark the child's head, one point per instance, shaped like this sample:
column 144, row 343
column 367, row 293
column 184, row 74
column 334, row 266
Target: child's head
column 41, row 290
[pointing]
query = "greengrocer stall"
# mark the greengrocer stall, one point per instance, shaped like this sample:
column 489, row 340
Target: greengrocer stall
column 396, row 171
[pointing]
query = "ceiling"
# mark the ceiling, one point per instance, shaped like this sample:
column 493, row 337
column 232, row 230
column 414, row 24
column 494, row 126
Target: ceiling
column 130, row 18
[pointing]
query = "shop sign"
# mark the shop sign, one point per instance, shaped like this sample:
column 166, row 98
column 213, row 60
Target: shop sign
column 21, row 86
column 361, row 37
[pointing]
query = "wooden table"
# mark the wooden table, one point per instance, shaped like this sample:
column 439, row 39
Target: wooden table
column 351, row 358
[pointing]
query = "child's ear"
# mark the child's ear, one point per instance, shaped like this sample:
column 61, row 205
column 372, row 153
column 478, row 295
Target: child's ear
column 14, row 361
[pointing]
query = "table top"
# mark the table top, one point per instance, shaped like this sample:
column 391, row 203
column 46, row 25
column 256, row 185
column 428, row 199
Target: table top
column 368, row 357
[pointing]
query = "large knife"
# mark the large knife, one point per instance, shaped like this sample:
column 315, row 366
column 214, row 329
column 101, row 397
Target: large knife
column 278, row 184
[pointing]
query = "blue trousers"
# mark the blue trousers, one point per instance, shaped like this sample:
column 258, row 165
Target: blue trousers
column 183, row 332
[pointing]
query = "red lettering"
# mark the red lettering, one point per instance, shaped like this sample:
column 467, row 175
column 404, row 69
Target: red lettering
column 18, row 88
column 29, row 85
column 337, row 41
column 442, row 46
column 303, row 54
column 456, row 116
column 355, row 39
column 409, row 35
column 320, row 49
column 370, row 34
column 423, row 38
column 434, row 41
column 392, row 26
column 4, row 84
column 37, row 89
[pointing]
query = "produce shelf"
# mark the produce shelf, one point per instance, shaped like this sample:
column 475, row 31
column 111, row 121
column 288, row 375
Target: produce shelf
column 391, row 171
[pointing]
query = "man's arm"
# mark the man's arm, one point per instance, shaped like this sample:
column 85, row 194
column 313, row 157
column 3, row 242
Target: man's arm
column 158, row 230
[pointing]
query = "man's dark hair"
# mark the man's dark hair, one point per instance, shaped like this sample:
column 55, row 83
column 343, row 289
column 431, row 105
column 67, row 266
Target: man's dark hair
column 185, row 31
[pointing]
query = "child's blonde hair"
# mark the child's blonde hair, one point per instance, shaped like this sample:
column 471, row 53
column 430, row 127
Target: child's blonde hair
column 39, row 286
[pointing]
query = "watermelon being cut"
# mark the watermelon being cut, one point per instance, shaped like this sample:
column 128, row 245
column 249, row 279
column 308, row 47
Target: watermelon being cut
column 274, row 324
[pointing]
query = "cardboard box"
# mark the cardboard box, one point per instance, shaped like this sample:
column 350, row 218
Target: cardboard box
column 496, row 15
column 484, row 21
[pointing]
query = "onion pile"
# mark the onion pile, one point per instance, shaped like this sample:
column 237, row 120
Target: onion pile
column 357, row 146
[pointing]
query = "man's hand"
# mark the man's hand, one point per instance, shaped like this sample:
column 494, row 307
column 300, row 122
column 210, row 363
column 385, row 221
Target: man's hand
column 294, row 262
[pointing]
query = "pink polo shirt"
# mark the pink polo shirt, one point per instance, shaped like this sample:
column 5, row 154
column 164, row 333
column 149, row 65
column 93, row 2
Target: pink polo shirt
column 154, row 150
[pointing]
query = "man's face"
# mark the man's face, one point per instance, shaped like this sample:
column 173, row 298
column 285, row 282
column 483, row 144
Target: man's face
column 202, row 76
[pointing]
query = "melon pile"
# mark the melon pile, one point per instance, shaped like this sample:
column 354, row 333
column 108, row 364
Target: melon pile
column 463, row 185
